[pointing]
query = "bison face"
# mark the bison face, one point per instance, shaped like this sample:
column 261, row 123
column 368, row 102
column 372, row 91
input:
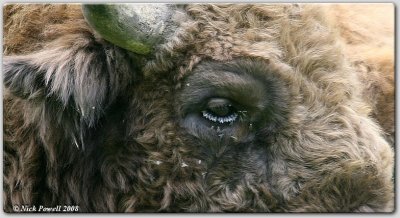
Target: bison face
column 196, row 108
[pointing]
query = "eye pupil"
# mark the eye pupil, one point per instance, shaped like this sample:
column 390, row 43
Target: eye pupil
column 220, row 111
column 219, row 107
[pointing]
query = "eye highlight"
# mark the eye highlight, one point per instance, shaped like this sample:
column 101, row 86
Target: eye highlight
column 222, row 120
column 220, row 110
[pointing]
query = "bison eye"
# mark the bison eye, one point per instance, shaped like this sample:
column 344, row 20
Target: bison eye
column 220, row 110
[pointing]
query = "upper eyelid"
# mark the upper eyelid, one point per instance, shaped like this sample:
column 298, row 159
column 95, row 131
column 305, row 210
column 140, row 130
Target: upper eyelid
column 244, row 90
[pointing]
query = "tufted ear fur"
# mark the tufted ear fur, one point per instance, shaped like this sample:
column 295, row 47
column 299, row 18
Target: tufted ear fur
column 75, row 75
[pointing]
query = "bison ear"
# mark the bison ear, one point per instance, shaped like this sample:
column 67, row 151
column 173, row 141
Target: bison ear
column 80, row 75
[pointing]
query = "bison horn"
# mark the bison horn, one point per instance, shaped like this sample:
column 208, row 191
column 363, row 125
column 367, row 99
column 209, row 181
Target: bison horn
column 135, row 27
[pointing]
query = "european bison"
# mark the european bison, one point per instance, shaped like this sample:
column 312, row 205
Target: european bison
column 198, row 108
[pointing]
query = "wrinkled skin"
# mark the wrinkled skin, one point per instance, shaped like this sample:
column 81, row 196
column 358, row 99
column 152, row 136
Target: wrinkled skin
column 242, row 119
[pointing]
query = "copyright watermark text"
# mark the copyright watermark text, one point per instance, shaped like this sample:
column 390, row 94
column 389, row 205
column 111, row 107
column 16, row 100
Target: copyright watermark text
column 41, row 208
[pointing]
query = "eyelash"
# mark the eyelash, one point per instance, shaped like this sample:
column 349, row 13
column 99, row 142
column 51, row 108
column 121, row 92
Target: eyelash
column 228, row 119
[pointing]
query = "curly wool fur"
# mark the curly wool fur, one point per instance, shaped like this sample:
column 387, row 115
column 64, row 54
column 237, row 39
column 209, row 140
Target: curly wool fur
column 87, row 123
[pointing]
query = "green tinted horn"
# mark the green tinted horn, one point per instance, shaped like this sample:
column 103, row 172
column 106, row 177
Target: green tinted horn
column 135, row 27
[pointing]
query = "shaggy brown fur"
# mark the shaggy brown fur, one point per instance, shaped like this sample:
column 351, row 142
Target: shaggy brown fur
column 89, row 124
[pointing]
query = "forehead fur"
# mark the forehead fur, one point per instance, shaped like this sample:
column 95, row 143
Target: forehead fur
column 295, row 38
column 268, row 31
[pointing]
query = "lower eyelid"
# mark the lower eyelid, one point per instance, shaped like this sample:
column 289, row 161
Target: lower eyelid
column 228, row 119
